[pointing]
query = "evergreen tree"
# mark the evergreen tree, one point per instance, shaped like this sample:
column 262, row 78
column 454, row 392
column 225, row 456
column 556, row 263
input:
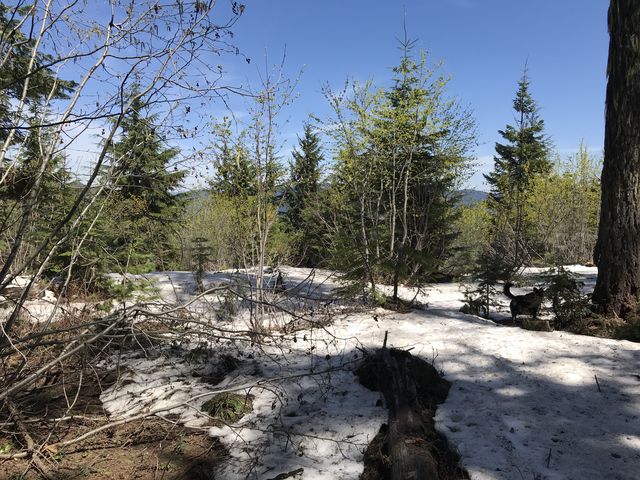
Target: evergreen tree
column 16, row 49
column 617, row 251
column 52, row 194
column 21, row 68
column 422, row 170
column 235, row 175
column 517, row 163
column 403, row 151
column 305, row 176
column 145, row 207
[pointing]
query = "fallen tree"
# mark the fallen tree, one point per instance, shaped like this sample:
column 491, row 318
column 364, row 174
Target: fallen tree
column 408, row 447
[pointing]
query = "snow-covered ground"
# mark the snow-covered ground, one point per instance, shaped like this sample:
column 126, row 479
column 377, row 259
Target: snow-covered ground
column 523, row 404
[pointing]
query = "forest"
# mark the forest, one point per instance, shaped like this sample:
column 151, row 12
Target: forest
column 182, row 297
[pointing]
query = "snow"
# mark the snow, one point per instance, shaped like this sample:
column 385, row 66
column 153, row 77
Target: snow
column 41, row 309
column 523, row 404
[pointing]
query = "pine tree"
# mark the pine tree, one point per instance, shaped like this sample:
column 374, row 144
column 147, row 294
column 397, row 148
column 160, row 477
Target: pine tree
column 304, row 184
column 145, row 205
column 617, row 252
column 517, row 163
column 235, row 175
column 403, row 152
column 16, row 51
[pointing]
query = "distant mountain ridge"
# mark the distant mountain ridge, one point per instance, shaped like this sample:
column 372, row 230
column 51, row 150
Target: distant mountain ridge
column 470, row 196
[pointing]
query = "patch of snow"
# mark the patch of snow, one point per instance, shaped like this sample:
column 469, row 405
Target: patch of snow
column 522, row 404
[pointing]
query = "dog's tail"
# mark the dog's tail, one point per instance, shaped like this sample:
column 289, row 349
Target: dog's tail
column 506, row 290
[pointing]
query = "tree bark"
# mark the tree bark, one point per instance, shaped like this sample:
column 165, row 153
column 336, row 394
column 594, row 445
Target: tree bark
column 617, row 252
column 409, row 386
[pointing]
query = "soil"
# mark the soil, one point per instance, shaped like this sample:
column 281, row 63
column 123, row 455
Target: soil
column 150, row 448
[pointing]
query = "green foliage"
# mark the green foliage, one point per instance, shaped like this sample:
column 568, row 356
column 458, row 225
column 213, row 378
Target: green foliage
column 480, row 300
column 48, row 188
column 17, row 50
column 228, row 226
column 6, row 447
column 472, row 227
column 303, row 187
column 563, row 210
column 489, row 268
column 518, row 162
column 105, row 287
column 305, row 175
column 228, row 407
column 201, row 254
column 402, row 153
column 569, row 304
column 525, row 155
column 235, row 175
column 143, row 207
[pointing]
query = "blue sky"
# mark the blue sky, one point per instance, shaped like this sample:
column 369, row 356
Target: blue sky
column 484, row 45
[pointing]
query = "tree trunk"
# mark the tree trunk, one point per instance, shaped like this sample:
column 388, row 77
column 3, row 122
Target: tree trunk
column 617, row 252
column 411, row 389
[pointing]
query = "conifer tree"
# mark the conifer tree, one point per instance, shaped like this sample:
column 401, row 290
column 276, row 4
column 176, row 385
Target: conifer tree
column 617, row 251
column 304, row 184
column 402, row 153
column 51, row 189
column 235, row 175
column 518, row 161
column 16, row 51
column 145, row 205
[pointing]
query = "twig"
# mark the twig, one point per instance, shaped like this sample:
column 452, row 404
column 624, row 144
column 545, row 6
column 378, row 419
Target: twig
column 597, row 383
column 549, row 458
column 31, row 444
column 34, row 376
column 384, row 343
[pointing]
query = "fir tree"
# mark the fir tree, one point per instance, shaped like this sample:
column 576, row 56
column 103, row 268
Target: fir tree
column 522, row 158
column 402, row 153
column 52, row 194
column 235, row 175
column 16, row 53
column 526, row 153
column 145, row 205
column 140, row 162
column 305, row 175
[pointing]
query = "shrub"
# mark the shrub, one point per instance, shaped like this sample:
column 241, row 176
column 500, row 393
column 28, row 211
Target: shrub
column 568, row 303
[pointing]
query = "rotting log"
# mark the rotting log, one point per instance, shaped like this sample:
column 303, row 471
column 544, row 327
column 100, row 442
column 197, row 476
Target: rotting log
column 411, row 388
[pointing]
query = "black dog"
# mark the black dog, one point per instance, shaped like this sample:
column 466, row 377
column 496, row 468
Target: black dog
column 528, row 304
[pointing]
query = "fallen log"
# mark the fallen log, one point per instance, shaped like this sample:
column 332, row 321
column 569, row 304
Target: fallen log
column 408, row 447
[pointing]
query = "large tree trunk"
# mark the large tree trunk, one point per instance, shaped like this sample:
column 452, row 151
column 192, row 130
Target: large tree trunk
column 617, row 252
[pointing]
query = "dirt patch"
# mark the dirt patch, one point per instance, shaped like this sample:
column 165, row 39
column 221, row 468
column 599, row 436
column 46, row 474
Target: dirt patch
column 410, row 419
column 399, row 305
column 151, row 448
